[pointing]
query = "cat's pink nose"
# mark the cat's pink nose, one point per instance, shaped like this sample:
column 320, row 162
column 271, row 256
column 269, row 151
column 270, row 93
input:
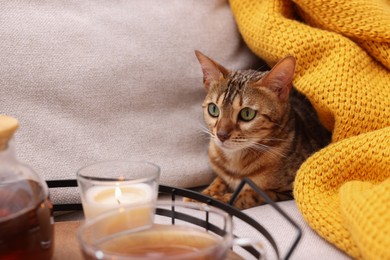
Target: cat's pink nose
column 223, row 135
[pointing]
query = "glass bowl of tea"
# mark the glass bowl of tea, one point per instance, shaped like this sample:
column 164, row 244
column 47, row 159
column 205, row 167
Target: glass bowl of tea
column 177, row 230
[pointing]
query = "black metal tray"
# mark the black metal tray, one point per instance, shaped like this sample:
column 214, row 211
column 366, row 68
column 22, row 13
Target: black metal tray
column 235, row 213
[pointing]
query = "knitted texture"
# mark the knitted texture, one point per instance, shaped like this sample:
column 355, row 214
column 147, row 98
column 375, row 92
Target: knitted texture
column 343, row 66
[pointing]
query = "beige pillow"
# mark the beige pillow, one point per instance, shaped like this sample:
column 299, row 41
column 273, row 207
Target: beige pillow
column 99, row 80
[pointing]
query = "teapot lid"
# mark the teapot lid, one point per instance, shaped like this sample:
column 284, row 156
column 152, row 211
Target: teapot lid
column 8, row 126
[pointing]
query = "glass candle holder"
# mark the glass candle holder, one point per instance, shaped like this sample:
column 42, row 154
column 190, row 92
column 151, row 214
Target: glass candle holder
column 114, row 184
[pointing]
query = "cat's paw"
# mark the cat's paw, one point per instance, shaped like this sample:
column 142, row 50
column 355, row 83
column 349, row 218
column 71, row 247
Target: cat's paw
column 248, row 199
column 212, row 193
column 185, row 199
column 225, row 198
column 243, row 201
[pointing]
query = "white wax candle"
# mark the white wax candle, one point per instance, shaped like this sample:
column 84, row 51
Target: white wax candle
column 99, row 199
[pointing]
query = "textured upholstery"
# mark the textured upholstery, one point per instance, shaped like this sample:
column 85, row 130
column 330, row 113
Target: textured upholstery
column 93, row 80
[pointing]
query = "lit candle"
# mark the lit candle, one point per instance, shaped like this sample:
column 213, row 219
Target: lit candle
column 99, row 199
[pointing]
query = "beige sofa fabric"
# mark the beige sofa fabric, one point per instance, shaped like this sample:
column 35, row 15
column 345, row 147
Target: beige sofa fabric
column 98, row 80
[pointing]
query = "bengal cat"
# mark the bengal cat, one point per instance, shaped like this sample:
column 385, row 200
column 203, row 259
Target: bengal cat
column 260, row 127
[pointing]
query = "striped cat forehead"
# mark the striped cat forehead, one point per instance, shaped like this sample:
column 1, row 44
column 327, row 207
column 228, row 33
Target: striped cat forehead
column 236, row 84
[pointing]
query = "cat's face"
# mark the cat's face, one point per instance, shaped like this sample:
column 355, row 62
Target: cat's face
column 242, row 109
column 240, row 118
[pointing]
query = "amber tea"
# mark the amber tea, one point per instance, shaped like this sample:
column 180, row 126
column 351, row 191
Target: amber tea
column 119, row 234
column 26, row 225
column 164, row 242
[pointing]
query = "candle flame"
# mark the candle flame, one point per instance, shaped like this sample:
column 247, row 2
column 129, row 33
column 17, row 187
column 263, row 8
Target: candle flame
column 118, row 194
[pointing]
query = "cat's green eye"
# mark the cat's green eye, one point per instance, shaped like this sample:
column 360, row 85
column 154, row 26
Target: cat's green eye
column 247, row 114
column 213, row 110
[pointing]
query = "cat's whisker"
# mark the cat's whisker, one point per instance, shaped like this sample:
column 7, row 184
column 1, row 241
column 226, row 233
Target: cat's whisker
column 267, row 149
column 265, row 152
column 202, row 127
column 262, row 67
column 205, row 132
column 255, row 146
column 273, row 139
column 240, row 140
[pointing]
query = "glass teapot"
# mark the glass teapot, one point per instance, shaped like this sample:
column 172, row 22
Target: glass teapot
column 26, row 222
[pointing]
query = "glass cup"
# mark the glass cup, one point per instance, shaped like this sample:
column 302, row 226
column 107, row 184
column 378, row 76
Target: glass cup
column 178, row 230
column 113, row 184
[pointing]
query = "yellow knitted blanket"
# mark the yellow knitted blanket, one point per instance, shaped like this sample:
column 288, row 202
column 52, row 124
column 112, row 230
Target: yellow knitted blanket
column 343, row 66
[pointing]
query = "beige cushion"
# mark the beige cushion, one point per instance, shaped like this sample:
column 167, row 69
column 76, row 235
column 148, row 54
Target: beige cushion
column 98, row 80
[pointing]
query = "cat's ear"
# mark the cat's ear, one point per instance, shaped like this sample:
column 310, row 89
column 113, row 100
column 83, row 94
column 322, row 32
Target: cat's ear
column 279, row 79
column 212, row 71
